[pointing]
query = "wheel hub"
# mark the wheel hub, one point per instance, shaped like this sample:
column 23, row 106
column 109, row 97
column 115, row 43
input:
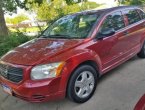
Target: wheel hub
column 84, row 84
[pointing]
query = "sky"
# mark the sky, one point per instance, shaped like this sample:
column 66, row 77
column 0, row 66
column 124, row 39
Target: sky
column 109, row 3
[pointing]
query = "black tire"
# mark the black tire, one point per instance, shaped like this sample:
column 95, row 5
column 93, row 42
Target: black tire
column 79, row 72
column 141, row 54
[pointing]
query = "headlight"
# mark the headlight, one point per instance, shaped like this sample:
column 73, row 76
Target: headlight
column 46, row 71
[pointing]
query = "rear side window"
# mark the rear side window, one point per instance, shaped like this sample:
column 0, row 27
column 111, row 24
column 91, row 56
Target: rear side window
column 142, row 14
column 114, row 20
column 132, row 15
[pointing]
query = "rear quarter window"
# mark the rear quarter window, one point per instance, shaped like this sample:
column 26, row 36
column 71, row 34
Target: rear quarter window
column 142, row 14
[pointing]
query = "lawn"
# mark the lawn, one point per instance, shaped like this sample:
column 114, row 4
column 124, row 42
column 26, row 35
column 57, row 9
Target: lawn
column 29, row 29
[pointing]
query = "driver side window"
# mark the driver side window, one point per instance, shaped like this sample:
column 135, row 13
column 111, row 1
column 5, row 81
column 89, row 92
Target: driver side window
column 114, row 21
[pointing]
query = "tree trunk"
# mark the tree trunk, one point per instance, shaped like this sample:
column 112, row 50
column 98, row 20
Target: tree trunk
column 3, row 27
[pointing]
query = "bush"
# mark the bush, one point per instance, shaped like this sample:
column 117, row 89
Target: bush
column 13, row 40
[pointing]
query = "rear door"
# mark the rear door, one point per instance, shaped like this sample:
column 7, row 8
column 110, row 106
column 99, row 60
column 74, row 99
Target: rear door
column 134, row 29
column 142, row 15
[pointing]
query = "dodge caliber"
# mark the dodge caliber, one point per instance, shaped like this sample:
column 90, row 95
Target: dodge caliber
column 70, row 56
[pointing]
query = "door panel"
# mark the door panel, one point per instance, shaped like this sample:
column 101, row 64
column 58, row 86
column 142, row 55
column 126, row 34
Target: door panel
column 134, row 36
column 134, row 28
column 112, row 47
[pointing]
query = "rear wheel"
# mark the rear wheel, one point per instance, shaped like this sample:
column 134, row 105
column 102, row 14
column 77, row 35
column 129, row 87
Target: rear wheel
column 141, row 54
column 82, row 84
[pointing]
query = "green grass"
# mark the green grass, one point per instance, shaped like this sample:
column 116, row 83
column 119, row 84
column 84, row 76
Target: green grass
column 9, row 42
column 30, row 29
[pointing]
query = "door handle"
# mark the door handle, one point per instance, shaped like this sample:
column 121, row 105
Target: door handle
column 125, row 33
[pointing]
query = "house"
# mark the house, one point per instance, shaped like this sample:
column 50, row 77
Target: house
column 34, row 23
column 28, row 23
column 106, row 3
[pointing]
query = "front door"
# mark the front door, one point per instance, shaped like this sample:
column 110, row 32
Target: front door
column 111, row 48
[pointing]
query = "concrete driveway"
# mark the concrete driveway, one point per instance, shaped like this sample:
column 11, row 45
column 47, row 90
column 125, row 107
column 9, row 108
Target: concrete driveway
column 120, row 89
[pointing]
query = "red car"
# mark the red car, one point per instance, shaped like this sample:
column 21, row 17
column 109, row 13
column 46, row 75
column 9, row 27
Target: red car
column 140, row 104
column 72, row 54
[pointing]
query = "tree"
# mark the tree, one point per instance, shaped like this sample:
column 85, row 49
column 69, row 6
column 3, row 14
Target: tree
column 132, row 2
column 89, row 5
column 50, row 11
column 47, row 11
column 5, row 7
column 74, row 1
column 3, row 28
column 18, row 19
column 137, row 2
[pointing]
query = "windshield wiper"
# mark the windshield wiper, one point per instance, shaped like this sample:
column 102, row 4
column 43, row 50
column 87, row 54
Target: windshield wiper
column 43, row 36
column 57, row 36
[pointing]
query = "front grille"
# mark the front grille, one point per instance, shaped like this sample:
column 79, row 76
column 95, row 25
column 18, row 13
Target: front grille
column 11, row 73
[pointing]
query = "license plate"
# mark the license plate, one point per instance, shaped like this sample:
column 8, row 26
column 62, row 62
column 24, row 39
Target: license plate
column 7, row 89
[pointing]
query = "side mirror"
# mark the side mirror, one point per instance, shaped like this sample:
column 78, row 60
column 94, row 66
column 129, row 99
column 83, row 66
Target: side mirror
column 106, row 33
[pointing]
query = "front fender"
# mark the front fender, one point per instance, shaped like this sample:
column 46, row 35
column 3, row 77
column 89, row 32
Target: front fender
column 88, row 55
column 74, row 61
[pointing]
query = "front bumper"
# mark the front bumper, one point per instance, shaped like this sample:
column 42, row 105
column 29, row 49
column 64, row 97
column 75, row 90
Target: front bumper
column 36, row 91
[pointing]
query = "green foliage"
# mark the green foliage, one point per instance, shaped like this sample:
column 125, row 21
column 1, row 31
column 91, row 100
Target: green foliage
column 46, row 11
column 11, row 5
column 28, row 29
column 71, row 9
column 16, row 20
column 11, row 41
column 137, row 2
column 89, row 5
column 53, row 10
column 133, row 2
column 74, row 1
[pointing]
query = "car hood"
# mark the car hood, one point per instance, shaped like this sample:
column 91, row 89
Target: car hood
column 36, row 50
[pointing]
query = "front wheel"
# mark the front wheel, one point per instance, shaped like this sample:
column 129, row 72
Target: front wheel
column 82, row 84
column 141, row 54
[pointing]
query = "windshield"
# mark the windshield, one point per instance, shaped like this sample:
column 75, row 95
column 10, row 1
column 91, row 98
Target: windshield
column 71, row 26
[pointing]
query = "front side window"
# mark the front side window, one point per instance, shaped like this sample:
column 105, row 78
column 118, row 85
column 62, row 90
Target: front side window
column 132, row 15
column 114, row 21
column 72, row 26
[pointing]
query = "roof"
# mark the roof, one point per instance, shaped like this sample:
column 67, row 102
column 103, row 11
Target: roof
column 105, row 10
column 119, row 8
